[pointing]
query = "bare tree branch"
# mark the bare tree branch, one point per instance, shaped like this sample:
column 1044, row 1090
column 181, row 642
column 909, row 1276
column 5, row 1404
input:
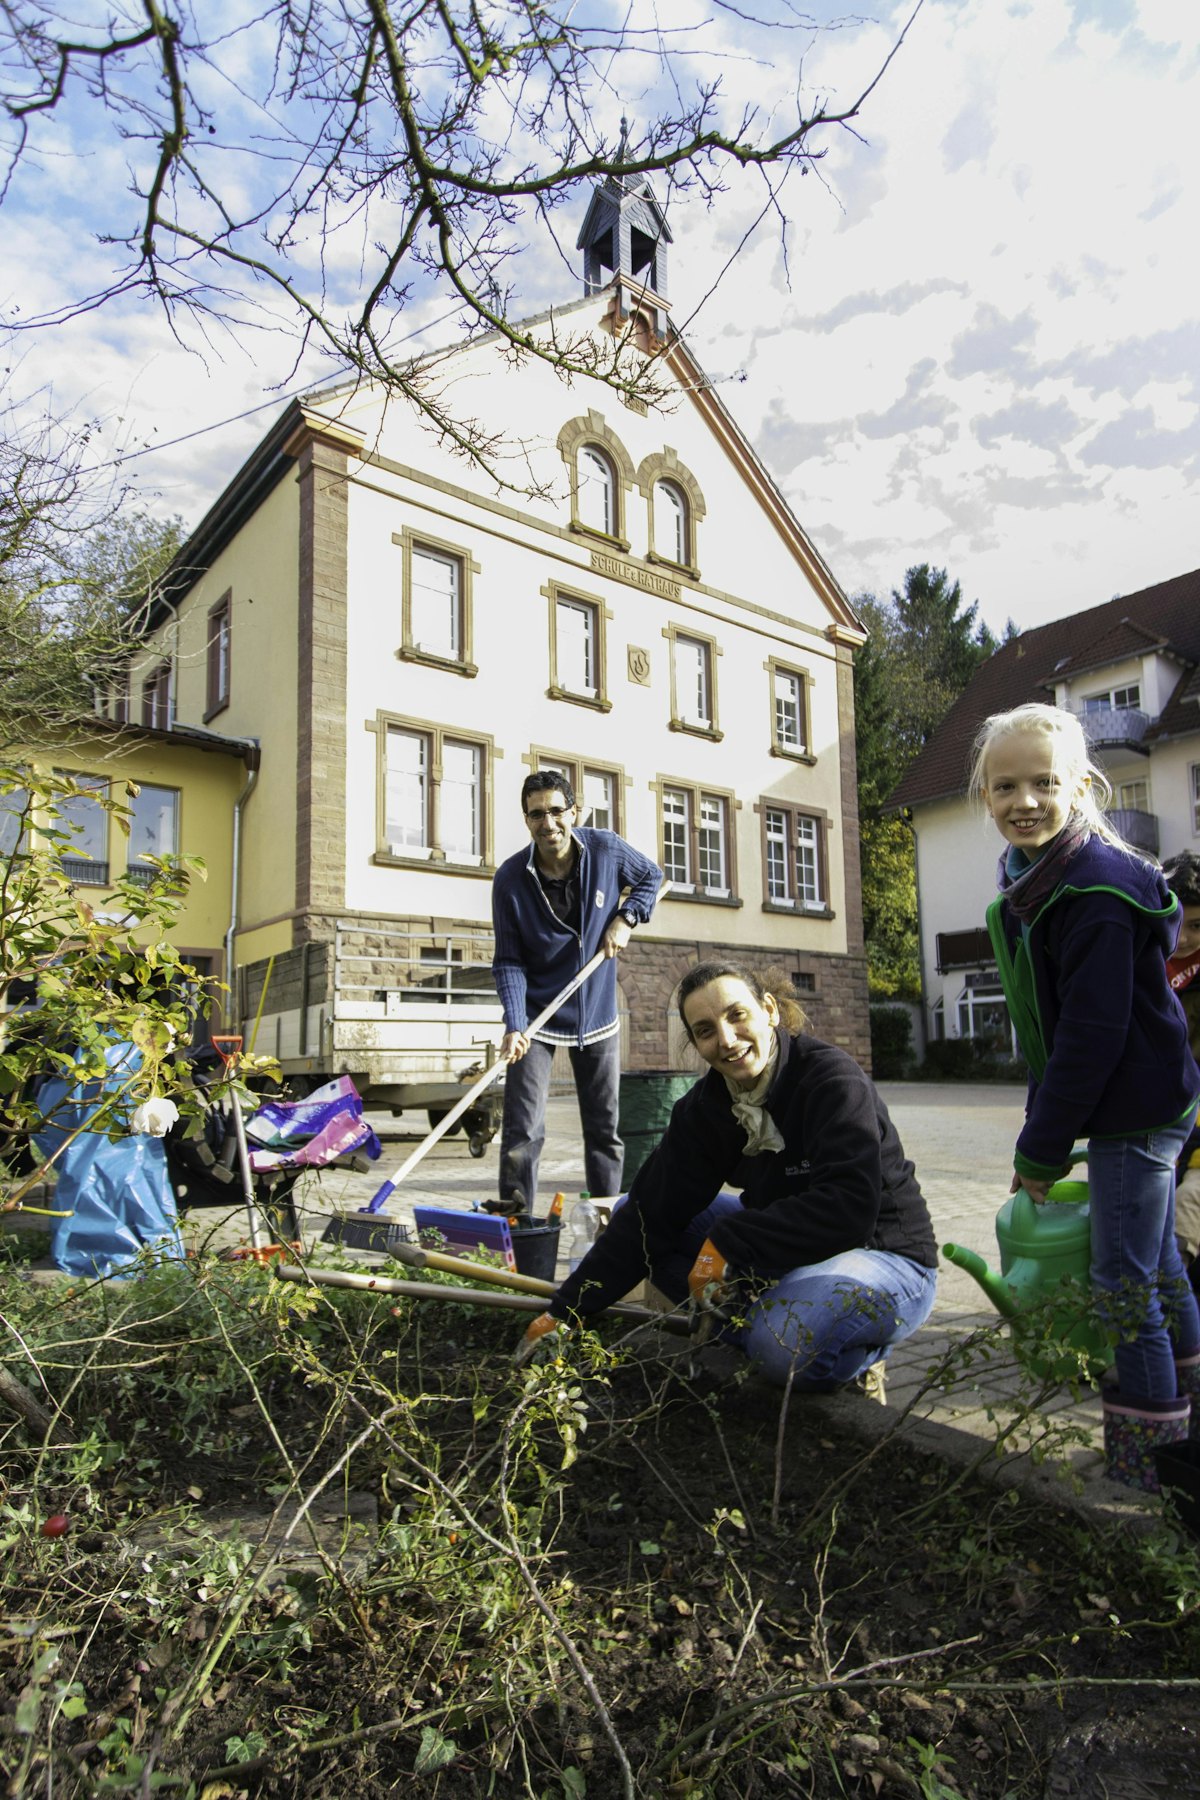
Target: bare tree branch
column 440, row 136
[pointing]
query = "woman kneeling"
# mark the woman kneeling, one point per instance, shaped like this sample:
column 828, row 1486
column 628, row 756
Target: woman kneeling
column 828, row 1258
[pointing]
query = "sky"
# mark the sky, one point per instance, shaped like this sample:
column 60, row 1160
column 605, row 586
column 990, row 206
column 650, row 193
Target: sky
column 977, row 343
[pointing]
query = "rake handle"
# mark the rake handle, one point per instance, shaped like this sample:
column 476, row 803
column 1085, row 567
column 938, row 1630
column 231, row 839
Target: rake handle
column 456, row 1112
column 428, row 1290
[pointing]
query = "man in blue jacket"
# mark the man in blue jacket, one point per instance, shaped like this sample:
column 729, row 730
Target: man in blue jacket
column 573, row 892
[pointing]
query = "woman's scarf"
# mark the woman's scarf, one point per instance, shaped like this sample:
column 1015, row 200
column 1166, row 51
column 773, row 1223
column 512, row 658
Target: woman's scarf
column 762, row 1133
column 1027, row 885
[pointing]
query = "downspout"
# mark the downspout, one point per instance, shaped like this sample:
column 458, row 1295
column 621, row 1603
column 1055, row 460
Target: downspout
column 252, row 757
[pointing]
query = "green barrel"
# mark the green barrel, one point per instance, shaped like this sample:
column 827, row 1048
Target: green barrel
column 646, row 1099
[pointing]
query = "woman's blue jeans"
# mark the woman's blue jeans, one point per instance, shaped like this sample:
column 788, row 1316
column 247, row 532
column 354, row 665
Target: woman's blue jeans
column 820, row 1325
column 1139, row 1283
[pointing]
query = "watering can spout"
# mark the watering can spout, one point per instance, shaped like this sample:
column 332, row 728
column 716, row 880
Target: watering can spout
column 994, row 1286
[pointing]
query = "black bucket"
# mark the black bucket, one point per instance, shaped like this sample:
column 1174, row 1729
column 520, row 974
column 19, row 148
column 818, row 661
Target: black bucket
column 536, row 1248
column 1178, row 1467
column 647, row 1097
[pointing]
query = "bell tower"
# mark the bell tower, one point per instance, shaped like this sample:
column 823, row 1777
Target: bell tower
column 624, row 240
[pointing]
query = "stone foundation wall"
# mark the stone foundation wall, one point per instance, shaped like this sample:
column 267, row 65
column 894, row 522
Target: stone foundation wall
column 832, row 990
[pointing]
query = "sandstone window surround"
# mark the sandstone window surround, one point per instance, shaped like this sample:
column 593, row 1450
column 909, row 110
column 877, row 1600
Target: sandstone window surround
column 437, row 603
column 697, row 841
column 599, row 787
column 433, row 795
column 693, row 661
column 795, row 858
column 600, row 474
column 578, row 648
column 219, row 656
column 675, row 505
column 791, row 711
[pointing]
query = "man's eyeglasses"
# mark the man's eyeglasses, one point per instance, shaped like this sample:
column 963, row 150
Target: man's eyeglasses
column 540, row 813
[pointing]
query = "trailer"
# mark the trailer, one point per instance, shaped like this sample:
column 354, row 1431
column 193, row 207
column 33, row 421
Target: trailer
column 409, row 1012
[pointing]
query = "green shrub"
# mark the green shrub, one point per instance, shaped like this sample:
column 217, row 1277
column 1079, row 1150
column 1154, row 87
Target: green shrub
column 891, row 1042
column 968, row 1059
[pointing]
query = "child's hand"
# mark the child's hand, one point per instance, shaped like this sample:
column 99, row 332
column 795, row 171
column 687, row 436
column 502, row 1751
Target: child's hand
column 1037, row 1190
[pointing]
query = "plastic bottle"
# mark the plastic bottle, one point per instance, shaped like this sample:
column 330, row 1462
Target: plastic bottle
column 555, row 1210
column 585, row 1226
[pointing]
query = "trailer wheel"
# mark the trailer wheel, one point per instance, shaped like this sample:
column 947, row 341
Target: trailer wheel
column 477, row 1143
column 436, row 1114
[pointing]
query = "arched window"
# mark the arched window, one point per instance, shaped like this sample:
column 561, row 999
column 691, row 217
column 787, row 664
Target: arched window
column 672, row 536
column 596, row 490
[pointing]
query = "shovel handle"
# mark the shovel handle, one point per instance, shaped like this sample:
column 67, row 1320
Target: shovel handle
column 450, row 1119
column 414, row 1257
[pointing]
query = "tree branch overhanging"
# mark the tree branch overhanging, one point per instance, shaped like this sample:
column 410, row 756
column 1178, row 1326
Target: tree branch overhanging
column 444, row 133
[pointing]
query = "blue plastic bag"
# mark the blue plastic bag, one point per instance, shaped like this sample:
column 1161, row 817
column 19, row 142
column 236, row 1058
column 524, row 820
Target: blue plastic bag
column 118, row 1193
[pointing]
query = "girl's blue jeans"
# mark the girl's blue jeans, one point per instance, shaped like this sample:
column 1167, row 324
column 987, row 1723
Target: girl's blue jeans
column 822, row 1324
column 1139, row 1283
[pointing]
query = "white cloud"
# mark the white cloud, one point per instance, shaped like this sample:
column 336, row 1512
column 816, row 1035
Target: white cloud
column 987, row 350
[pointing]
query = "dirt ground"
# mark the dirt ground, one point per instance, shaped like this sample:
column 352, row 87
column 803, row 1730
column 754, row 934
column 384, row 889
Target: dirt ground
column 612, row 1575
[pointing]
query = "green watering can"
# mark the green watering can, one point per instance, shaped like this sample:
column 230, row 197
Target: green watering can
column 1044, row 1249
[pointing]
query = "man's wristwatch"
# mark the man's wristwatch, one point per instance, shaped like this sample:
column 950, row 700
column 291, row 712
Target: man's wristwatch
column 629, row 916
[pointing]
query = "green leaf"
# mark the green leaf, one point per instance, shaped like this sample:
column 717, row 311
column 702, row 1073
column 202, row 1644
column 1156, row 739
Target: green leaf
column 434, row 1752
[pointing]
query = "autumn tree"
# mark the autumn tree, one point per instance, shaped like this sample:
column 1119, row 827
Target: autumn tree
column 924, row 647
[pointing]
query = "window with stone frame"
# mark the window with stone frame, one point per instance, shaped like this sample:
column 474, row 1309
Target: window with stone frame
column 696, row 840
column 790, row 729
column 434, row 792
column 795, row 857
column 693, row 682
column 598, row 787
column 437, row 603
column 578, row 652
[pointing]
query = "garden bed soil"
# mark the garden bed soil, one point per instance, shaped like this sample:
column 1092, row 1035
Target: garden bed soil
column 700, row 1603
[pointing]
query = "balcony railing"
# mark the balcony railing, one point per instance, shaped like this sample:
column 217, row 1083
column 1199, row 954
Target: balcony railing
column 1109, row 726
column 1137, row 828
column 86, row 870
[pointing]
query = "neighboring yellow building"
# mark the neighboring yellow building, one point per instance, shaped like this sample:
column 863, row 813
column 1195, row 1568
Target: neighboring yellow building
column 189, row 783
column 407, row 641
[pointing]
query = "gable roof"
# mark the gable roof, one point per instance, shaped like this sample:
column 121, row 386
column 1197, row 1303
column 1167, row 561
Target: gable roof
column 321, row 409
column 1163, row 619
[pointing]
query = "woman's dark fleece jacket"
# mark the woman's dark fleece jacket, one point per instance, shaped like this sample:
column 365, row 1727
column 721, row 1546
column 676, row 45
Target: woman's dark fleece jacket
column 841, row 1182
column 1086, row 983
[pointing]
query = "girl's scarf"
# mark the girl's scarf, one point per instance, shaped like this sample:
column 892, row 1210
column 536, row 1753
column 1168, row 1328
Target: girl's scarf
column 762, row 1133
column 1027, row 885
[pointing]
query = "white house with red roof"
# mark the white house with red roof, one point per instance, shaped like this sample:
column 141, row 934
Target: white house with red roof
column 1131, row 669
